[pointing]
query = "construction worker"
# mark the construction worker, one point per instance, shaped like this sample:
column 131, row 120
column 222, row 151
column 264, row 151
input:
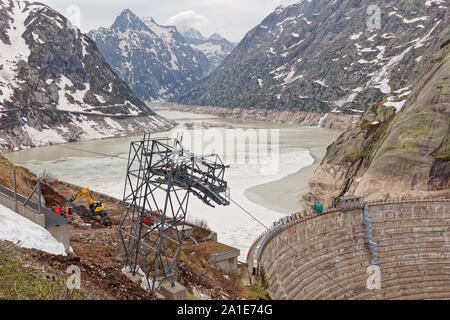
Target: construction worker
column 70, row 208
column 58, row 210
column 66, row 210
column 146, row 218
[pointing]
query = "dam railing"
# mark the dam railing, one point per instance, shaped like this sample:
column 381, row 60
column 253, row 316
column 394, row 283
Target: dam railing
column 292, row 220
column 12, row 199
column 35, row 211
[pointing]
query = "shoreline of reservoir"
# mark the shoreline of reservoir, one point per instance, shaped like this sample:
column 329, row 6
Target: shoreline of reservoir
column 332, row 120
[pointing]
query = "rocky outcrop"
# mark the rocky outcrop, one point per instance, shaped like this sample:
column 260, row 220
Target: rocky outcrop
column 321, row 56
column 56, row 87
column 156, row 61
column 40, row 129
column 400, row 149
column 341, row 122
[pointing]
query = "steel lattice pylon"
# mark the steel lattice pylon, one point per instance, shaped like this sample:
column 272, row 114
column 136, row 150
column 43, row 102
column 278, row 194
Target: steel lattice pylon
column 161, row 175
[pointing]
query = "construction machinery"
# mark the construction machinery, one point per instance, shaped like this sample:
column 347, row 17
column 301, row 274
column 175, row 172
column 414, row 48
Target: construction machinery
column 318, row 207
column 96, row 207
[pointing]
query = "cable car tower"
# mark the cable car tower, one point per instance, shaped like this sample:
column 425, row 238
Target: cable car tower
column 161, row 175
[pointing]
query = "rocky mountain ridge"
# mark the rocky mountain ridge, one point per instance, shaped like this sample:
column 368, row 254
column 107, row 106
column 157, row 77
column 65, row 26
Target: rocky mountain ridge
column 156, row 61
column 56, row 87
column 320, row 56
column 215, row 47
column 395, row 154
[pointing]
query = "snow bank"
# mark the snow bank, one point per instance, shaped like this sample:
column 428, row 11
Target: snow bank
column 26, row 234
column 43, row 137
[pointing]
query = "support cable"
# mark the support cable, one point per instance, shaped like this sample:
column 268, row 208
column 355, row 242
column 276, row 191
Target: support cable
column 294, row 249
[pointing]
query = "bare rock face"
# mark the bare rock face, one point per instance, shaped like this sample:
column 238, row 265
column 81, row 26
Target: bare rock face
column 215, row 47
column 400, row 149
column 156, row 61
column 320, row 56
column 56, row 87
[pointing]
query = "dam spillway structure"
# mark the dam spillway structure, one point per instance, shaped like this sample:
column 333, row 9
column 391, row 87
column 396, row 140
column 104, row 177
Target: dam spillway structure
column 161, row 177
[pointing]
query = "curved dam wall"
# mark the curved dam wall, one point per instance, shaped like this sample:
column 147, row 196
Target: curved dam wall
column 325, row 257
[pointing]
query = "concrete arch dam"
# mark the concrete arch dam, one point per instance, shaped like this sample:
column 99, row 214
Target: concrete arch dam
column 326, row 256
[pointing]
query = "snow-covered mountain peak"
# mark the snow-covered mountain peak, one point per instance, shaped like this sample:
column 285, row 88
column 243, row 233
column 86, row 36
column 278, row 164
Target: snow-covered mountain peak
column 155, row 60
column 193, row 34
column 216, row 36
column 55, row 86
column 168, row 33
column 127, row 20
column 216, row 48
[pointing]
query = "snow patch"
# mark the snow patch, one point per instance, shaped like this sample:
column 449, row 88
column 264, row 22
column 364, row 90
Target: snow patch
column 429, row 3
column 17, row 51
column 355, row 36
column 380, row 79
column 408, row 21
column 261, row 83
column 402, row 89
column 113, row 124
column 322, row 83
column 322, row 120
column 397, row 105
column 290, row 78
column 26, row 234
column 44, row 137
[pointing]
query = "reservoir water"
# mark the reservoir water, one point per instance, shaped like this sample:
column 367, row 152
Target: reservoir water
column 266, row 184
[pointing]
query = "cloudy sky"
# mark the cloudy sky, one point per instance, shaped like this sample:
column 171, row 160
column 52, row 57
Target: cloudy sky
column 231, row 18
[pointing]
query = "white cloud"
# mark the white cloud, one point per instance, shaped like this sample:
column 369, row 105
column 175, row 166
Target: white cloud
column 187, row 20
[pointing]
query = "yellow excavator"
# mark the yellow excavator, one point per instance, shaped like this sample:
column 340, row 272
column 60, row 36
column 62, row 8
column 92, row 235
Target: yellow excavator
column 96, row 207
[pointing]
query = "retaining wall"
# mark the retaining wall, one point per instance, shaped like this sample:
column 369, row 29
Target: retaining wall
column 56, row 225
column 24, row 211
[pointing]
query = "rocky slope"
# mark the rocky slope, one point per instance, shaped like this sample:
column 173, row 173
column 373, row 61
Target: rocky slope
column 215, row 47
column 394, row 155
column 320, row 56
column 55, row 86
column 336, row 121
column 156, row 61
